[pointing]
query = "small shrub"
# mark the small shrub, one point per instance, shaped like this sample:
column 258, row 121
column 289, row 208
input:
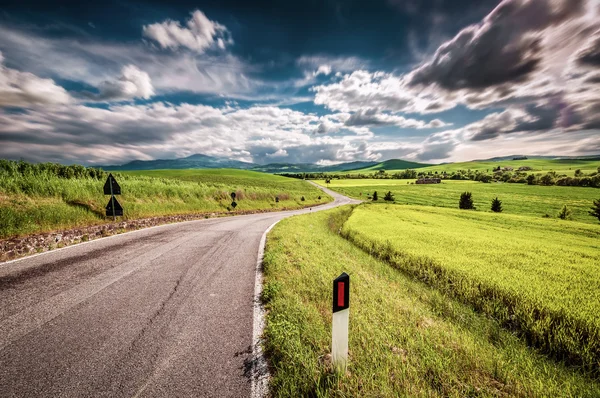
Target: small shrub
column 319, row 198
column 389, row 197
column 466, row 201
column 565, row 213
column 596, row 209
column 496, row 205
column 302, row 199
column 375, row 195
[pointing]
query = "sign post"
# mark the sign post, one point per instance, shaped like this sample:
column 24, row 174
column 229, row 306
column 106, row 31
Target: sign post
column 112, row 188
column 339, row 324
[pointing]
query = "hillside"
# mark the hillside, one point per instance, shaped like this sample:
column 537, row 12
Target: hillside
column 537, row 164
column 47, row 197
column 394, row 164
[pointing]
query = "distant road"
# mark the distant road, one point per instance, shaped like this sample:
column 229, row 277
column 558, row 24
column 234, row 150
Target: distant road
column 166, row 311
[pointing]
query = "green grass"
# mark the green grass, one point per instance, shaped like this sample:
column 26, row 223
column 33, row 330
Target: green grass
column 33, row 203
column 406, row 338
column 534, row 200
column 539, row 277
column 561, row 166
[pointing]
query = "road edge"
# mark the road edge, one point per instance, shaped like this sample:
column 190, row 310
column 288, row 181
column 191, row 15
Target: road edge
column 260, row 370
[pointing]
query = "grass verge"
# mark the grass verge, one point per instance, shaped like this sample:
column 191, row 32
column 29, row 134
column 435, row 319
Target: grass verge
column 406, row 339
column 44, row 197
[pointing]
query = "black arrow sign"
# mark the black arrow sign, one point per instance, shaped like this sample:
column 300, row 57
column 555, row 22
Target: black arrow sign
column 116, row 189
column 118, row 208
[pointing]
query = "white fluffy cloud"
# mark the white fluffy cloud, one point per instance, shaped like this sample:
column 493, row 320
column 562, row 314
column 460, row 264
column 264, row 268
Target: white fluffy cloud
column 133, row 83
column 198, row 34
column 22, row 89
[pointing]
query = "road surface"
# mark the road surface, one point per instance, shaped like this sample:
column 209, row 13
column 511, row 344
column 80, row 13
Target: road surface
column 166, row 311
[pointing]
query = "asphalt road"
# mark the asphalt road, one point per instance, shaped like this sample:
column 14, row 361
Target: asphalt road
column 166, row 311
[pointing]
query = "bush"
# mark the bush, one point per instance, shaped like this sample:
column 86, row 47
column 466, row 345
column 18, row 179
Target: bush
column 531, row 179
column 466, row 201
column 565, row 213
column 375, row 195
column 596, row 209
column 302, row 199
column 389, row 197
column 496, row 205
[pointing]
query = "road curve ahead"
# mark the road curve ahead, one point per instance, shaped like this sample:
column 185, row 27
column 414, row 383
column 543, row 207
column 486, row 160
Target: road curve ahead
column 166, row 311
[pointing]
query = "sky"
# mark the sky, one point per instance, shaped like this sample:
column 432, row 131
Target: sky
column 323, row 82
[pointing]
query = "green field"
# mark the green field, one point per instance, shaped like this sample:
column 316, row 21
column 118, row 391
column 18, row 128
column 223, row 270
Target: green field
column 406, row 338
column 35, row 199
column 541, row 277
column 561, row 166
column 534, row 200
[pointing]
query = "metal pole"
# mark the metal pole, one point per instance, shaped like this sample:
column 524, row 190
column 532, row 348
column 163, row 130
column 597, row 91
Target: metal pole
column 112, row 199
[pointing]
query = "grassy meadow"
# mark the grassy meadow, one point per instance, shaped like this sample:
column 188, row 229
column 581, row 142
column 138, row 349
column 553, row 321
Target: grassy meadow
column 407, row 338
column 533, row 200
column 35, row 199
column 539, row 277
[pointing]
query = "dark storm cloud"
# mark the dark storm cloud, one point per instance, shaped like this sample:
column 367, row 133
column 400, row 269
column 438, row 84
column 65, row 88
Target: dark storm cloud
column 532, row 118
column 503, row 48
column 591, row 55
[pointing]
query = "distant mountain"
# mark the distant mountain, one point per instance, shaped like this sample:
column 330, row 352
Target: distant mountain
column 309, row 167
column 197, row 161
column 200, row 161
column 396, row 164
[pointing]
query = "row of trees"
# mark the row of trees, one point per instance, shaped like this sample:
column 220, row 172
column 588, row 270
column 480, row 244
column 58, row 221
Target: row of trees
column 580, row 179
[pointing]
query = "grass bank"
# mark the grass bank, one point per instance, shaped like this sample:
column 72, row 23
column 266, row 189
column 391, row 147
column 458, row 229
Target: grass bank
column 406, row 338
column 43, row 198
column 538, row 277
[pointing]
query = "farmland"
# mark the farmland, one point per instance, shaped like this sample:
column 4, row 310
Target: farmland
column 561, row 166
column 537, row 201
column 42, row 198
column 407, row 338
column 541, row 277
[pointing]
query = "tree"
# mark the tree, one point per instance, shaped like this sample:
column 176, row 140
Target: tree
column 565, row 213
column 596, row 209
column 547, row 179
column 389, row 197
column 531, row 179
column 466, row 201
column 496, row 205
column 302, row 199
column 375, row 195
column 578, row 173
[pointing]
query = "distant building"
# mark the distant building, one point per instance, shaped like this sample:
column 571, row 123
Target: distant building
column 429, row 181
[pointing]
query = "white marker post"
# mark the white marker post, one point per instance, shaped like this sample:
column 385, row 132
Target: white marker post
column 339, row 329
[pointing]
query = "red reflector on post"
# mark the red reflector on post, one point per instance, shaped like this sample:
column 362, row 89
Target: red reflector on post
column 340, row 297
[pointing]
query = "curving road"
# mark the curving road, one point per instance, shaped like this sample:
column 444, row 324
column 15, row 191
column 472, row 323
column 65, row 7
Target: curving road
column 165, row 311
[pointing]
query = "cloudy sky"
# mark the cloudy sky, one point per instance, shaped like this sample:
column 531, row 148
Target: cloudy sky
column 298, row 81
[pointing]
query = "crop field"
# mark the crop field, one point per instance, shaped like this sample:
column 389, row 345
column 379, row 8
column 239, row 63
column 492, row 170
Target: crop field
column 539, row 277
column 561, row 166
column 534, row 200
column 33, row 200
column 406, row 338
